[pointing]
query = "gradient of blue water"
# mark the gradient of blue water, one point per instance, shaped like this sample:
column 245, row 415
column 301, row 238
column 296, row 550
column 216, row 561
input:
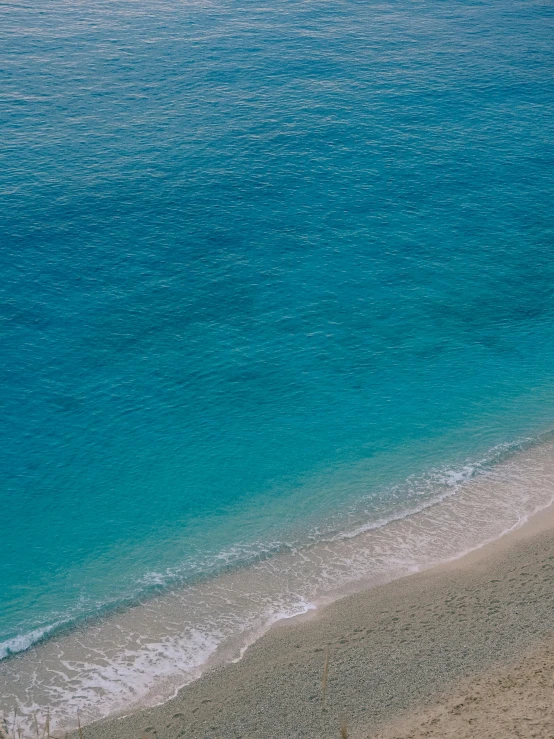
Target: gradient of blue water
column 258, row 261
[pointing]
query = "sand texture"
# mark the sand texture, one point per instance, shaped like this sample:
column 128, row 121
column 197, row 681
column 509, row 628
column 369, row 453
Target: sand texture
column 514, row 701
column 439, row 651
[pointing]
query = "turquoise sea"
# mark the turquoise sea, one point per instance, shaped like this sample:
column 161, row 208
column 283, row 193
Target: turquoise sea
column 273, row 277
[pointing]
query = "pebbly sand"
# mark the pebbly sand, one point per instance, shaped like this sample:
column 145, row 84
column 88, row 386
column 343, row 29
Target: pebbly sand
column 462, row 650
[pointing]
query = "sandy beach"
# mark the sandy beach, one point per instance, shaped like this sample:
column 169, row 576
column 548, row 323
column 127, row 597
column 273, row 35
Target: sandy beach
column 464, row 649
column 277, row 319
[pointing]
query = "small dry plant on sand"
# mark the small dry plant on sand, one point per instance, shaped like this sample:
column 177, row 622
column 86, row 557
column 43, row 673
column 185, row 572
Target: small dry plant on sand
column 344, row 729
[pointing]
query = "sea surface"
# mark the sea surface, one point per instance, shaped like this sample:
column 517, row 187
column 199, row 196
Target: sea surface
column 276, row 318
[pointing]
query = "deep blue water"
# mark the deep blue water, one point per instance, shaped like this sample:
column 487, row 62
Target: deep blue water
column 260, row 265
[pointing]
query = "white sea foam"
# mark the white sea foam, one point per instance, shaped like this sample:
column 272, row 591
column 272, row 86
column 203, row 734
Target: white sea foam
column 142, row 655
column 24, row 641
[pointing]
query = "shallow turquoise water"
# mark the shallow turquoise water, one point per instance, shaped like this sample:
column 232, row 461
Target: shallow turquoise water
column 269, row 272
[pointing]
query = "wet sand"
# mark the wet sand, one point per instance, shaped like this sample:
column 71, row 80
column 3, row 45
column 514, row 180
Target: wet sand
column 459, row 648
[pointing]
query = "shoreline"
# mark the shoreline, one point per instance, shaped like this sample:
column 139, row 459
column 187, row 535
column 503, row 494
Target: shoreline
column 475, row 622
column 145, row 656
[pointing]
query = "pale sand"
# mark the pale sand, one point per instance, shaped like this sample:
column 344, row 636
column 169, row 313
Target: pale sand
column 462, row 650
column 516, row 700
